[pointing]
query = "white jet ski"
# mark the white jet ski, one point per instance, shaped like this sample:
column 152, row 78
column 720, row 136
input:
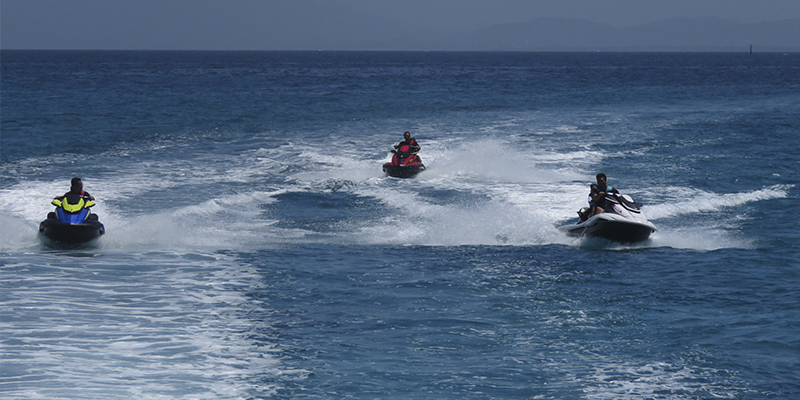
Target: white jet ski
column 621, row 221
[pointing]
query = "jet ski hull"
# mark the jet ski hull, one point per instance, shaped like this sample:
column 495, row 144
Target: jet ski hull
column 405, row 163
column 622, row 221
column 70, row 233
column 402, row 171
column 611, row 229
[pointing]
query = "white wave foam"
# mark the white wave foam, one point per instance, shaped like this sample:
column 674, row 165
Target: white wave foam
column 229, row 222
column 699, row 201
column 656, row 380
column 527, row 192
column 700, row 238
column 16, row 233
column 490, row 223
column 124, row 329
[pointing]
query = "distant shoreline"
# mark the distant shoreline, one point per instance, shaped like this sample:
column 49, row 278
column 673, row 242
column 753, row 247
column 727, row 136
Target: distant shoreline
column 744, row 51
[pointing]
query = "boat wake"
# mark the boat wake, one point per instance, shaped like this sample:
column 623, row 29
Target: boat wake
column 488, row 192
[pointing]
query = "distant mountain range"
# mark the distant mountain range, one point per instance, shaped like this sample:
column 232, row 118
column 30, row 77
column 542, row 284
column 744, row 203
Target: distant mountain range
column 560, row 34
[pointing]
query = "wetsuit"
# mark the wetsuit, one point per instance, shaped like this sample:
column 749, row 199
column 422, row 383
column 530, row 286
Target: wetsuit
column 411, row 143
column 83, row 194
column 601, row 202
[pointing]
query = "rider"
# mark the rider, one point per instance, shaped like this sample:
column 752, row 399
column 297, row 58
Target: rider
column 408, row 141
column 597, row 194
column 76, row 187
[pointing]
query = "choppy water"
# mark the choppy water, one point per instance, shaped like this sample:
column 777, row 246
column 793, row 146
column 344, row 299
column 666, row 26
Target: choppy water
column 255, row 250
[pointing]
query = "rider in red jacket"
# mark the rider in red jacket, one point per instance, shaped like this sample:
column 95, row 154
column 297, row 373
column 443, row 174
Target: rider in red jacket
column 410, row 141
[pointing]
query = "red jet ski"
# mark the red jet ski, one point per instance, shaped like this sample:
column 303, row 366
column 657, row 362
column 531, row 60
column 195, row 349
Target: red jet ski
column 405, row 163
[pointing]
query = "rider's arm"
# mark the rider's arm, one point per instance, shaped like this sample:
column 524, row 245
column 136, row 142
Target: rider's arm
column 595, row 193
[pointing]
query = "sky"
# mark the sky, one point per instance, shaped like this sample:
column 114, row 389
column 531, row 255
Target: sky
column 308, row 24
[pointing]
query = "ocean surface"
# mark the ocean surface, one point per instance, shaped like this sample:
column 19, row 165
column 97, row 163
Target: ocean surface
column 254, row 249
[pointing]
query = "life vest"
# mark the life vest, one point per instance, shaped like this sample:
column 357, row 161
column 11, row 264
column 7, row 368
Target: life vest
column 73, row 203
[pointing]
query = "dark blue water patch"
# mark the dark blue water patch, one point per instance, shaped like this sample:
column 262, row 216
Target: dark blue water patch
column 86, row 101
column 448, row 321
column 771, row 226
column 323, row 212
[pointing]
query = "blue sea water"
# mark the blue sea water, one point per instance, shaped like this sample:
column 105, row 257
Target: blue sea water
column 255, row 250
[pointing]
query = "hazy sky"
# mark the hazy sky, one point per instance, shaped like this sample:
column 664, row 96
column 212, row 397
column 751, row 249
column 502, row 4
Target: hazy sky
column 288, row 24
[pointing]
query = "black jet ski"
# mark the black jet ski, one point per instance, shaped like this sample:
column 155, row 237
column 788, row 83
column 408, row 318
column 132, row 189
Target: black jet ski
column 621, row 221
column 405, row 163
column 72, row 222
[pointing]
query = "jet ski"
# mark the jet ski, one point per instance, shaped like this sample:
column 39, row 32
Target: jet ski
column 621, row 221
column 405, row 163
column 72, row 222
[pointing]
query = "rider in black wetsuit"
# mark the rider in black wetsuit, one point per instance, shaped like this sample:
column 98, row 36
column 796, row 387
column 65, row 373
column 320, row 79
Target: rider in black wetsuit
column 597, row 194
column 409, row 141
column 76, row 187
